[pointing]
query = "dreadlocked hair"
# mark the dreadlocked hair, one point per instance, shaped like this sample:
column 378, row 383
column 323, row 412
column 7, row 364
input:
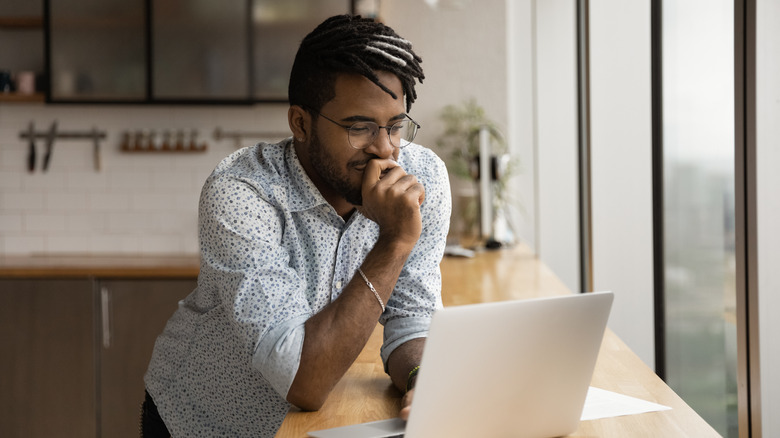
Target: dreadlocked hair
column 351, row 44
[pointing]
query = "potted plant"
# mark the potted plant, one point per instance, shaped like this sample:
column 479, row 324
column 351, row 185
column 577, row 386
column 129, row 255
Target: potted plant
column 460, row 144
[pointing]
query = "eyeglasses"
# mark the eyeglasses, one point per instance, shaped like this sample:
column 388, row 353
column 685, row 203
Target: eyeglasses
column 363, row 134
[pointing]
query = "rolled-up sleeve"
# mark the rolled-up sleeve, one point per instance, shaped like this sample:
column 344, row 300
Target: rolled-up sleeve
column 278, row 354
column 248, row 268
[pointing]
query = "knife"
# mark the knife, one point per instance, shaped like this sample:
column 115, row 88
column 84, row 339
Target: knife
column 50, row 136
column 96, row 149
column 31, row 152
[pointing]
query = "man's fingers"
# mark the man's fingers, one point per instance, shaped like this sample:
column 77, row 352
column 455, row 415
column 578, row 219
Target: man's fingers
column 418, row 190
column 406, row 405
column 404, row 414
column 375, row 170
column 403, row 185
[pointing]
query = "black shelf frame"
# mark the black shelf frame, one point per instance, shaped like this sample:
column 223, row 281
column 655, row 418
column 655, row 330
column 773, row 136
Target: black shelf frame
column 149, row 98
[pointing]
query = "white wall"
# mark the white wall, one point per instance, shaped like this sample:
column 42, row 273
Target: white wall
column 557, row 139
column 621, row 167
column 463, row 48
column 768, row 217
column 521, row 114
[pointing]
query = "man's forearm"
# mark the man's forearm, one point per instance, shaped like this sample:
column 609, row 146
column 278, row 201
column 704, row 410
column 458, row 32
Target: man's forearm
column 335, row 336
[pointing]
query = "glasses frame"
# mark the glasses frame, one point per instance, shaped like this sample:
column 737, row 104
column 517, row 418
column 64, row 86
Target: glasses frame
column 348, row 128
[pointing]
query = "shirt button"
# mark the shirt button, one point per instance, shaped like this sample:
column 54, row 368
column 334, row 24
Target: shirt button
column 338, row 285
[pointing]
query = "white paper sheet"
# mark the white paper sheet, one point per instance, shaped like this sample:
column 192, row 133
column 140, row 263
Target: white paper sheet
column 601, row 403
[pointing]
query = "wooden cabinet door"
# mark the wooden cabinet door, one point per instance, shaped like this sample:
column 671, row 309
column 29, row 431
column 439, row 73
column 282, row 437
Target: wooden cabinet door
column 132, row 314
column 47, row 362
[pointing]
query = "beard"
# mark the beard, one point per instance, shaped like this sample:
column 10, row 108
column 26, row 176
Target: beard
column 338, row 179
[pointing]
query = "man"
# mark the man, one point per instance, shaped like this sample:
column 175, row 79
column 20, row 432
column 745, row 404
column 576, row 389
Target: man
column 306, row 244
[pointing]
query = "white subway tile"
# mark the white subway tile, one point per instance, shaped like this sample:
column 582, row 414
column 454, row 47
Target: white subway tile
column 154, row 201
column 190, row 245
column 132, row 222
column 11, row 180
column 170, row 181
column 149, row 161
column 93, row 182
column 40, row 181
column 66, row 153
column 13, row 158
column 11, row 222
column 109, row 202
column 68, row 244
column 23, row 244
column 85, row 221
column 187, row 202
column 43, row 222
column 65, row 201
column 21, row 201
column 161, row 244
column 174, row 222
column 115, row 244
column 126, row 181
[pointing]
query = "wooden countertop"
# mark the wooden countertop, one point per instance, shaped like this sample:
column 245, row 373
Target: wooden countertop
column 366, row 393
column 81, row 266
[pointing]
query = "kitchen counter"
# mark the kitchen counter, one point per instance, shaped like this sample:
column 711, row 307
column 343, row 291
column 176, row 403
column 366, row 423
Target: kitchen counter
column 81, row 266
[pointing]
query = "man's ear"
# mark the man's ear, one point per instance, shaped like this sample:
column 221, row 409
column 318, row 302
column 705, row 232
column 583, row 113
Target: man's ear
column 299, row 121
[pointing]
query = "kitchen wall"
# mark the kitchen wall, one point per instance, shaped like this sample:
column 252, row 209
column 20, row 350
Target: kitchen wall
column 147, row 203
column 137, row 203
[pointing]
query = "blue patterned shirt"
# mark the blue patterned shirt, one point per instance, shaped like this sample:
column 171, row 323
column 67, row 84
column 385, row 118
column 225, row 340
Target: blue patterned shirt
column 274, row 253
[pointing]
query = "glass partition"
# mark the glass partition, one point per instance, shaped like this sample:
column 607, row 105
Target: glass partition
column 698, row 216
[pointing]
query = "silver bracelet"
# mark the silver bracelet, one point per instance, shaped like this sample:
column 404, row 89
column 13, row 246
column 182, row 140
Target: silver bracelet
column 371, row 286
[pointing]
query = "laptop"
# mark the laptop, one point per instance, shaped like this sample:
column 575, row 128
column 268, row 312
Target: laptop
column 512, row 368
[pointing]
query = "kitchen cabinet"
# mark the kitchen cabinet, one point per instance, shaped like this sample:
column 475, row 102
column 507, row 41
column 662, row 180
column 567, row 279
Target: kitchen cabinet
column 133, row 314
column 200, row 50
column 21, row 45
column 277, row 31
column 177, row 51
column 97, row 50
column 74, row 352
column 47, row 360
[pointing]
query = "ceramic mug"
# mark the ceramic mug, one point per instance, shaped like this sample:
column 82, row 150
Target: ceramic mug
column 25, row 82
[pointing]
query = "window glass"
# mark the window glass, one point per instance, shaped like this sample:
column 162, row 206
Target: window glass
column 699, row 240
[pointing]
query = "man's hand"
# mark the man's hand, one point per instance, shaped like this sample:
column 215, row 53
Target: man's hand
column 392, row 198
column 406, row 405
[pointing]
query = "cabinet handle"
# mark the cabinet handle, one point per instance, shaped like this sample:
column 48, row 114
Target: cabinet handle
column 105, row 304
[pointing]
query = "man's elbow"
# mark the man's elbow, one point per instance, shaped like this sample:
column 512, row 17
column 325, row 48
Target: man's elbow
column 306, row 400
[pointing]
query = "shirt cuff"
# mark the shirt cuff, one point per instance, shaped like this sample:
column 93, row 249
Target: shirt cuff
column 400, row 330
column 278, row 354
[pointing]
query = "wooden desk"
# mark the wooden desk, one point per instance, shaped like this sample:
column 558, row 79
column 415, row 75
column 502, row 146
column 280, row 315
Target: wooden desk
column 366, row 394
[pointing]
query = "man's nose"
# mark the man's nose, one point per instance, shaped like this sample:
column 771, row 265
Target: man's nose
column 381, row 146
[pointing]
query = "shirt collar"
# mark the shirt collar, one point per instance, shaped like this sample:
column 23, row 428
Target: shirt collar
column 303, row 194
